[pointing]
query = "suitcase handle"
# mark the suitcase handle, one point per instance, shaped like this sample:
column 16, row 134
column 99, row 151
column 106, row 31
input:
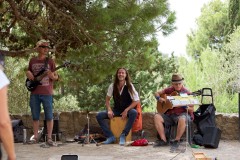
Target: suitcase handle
column 209, row 91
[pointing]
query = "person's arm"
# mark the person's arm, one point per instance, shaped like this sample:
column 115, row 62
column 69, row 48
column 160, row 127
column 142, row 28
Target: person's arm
column 131, row 106
column 29, row 75
column 158, row 97
column 6, row 134
column 191, row 108
column 109, row 109
column 52, row 75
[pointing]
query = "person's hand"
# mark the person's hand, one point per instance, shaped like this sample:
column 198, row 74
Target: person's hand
column 161, row 100
column 124, row 114
column 50, row 74
column 30, row 76
column 110, row 114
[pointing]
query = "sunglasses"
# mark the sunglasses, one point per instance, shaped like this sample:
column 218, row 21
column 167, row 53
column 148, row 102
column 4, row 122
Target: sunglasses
column 44, row 46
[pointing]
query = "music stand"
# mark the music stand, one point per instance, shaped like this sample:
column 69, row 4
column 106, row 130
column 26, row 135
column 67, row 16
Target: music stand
column 88, row 139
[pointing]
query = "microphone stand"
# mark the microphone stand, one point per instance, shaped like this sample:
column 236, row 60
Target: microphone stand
column 88, row 139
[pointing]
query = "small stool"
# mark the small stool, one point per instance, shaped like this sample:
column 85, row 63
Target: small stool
column 117, row 124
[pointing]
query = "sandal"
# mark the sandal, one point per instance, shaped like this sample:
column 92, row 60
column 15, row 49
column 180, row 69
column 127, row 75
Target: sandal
column 32, row 141
column 50, row 141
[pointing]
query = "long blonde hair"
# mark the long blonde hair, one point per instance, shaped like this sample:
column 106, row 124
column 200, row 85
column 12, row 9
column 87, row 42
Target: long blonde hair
column 116, row 81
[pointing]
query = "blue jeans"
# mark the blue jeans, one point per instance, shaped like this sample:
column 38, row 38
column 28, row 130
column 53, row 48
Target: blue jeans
column 35, row 105
column 101, row 116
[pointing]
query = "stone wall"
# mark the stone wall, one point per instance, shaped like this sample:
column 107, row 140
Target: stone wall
column 70, row 123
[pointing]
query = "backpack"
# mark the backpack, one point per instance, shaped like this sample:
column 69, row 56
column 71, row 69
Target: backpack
column 17, row 126
column 137, row 125
column 140, row 142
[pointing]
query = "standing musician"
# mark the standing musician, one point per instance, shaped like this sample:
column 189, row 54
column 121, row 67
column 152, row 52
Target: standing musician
column 43, row 92
column 125, row 100
column 176, row 115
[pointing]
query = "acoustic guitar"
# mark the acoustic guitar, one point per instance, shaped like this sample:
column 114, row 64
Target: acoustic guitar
column 162, row 107
column 167, row 104
column 32, row 84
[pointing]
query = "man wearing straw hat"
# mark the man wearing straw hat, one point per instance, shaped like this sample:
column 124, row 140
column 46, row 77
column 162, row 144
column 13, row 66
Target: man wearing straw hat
column 43, row 94
column 176, row 115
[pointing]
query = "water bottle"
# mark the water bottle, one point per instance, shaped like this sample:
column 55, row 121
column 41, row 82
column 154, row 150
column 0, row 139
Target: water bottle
column 24, row 136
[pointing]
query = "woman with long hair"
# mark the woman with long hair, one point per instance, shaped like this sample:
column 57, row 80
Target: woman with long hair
column 125, row 99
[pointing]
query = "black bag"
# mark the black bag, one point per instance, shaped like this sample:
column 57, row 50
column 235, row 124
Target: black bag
column 204, row 117
column 198, row 139
column 17, row 126
column 94, row 131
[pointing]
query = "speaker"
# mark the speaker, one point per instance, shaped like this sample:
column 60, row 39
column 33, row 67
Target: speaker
column 211, row 137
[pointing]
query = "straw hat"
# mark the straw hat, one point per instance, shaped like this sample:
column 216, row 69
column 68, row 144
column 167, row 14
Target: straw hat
column 177, row 78
column 40, row 42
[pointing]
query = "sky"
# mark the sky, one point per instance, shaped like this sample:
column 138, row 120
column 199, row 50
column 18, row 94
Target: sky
column 187, row 11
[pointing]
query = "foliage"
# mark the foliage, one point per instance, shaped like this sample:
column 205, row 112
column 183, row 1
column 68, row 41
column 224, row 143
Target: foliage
column 17, row 94
column 214, row 55
column 212, row 28
column 234, row 14
column 96, row 36
column 66, row 103
column 231, row 63
column 208, row 72
column 153, row 80
column 219, row 70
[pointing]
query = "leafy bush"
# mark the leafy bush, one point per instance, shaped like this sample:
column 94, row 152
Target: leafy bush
column 66, row 103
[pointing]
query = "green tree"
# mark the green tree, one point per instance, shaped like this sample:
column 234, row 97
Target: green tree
column 214, row 53
column 212, row 28
column 96, row 36
column 234, row 14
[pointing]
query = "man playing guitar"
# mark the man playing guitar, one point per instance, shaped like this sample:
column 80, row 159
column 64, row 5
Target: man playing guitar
column 43, row 92
column 176, row 115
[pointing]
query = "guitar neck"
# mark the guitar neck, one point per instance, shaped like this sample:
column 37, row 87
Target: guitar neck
column 40, row 77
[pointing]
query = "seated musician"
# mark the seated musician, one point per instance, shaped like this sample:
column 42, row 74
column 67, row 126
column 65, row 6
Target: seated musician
column 176, row 115
column 125, row 100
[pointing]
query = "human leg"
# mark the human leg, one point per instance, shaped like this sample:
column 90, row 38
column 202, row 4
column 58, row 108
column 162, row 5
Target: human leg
column 132, row 114
column 159, row 121
column 181, row 121
column 48, row 112
column 35, row 110
column 181, row 127
column 101, row 116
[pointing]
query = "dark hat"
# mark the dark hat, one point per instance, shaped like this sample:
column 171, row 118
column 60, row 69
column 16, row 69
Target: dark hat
column 177, row 78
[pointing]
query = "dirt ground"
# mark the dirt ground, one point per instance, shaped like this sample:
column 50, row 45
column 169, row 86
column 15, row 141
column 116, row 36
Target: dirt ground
column 227, row 150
